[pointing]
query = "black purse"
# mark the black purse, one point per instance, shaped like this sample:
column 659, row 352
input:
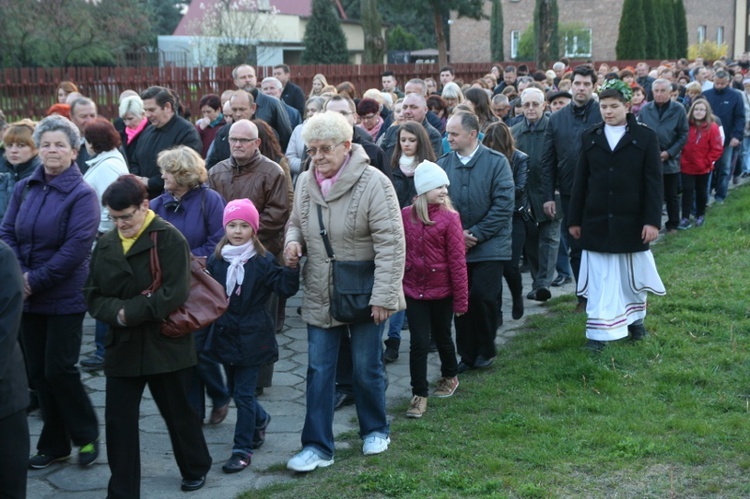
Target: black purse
column 352, row 284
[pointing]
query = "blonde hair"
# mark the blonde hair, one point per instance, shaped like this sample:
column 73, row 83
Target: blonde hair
column 420, row 209
column 452, row 91
column 186, row 165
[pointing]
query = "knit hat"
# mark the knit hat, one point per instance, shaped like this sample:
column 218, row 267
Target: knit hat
column 429, row 176
column 242, row 209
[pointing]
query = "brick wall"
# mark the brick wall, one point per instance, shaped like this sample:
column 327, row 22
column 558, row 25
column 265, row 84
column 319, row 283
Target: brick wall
column 470, row 38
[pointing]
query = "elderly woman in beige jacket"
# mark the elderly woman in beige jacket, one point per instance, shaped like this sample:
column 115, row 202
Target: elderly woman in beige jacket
column 360, row 211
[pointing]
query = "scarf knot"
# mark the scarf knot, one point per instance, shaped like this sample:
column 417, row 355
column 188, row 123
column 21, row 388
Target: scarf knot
column 237, row 256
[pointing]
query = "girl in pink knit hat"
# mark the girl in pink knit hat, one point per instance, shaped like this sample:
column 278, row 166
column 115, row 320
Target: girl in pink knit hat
column 244, row 338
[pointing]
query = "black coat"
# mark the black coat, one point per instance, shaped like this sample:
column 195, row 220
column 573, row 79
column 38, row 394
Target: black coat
column 271, row 110
column 177, row 131
column 562, row 142
column 616, row 193
column 245, row 335
column 14, row 389
column 294, row 96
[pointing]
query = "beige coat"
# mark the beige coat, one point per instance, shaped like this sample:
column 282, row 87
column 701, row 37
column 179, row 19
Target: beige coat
column 363, row 220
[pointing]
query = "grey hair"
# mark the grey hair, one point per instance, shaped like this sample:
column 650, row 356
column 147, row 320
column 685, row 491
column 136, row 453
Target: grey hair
column 327, row 126
column 500, row 99
column 661, row 81
column 532, row 90
column 81, row 101
column 276, row 82
column 131, row 104
column 57, row 123
column 420, row 82
column 558, row 65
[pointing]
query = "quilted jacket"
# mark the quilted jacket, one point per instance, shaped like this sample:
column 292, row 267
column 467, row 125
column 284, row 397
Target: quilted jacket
column 436, row 258
column 361, row 215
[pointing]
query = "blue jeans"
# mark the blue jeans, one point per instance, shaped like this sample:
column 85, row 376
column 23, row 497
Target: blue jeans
column 395, row 323
column 723, row 172
column 207, row 378
column 368, row 383
column 746, row 155
column 250, row 414
column 99, row 334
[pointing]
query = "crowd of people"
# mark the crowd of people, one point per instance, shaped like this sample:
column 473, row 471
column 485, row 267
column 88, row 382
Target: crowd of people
column 446, row 187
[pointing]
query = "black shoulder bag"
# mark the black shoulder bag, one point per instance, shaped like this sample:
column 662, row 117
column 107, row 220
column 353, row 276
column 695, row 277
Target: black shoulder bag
column 352, row 284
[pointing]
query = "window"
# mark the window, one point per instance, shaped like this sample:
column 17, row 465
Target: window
column 577, row 42
column 515, row 38
column 701, row 33
column 720, row 35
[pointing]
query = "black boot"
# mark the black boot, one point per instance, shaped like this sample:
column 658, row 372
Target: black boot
column 391, row 350
column 637, row 332
column 517, row 306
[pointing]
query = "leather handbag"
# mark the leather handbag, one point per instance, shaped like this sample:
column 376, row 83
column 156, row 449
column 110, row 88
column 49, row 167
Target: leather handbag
column 206, row 302
column 352, row 284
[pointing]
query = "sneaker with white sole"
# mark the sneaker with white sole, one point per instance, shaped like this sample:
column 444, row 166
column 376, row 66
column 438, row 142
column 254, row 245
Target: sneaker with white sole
column 417, row 407
column 375, row 444
column 446, row 387
column 307, row 460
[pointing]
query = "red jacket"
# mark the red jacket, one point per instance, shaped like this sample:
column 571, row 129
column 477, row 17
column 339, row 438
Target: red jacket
column 703, row 147
column 436, row 258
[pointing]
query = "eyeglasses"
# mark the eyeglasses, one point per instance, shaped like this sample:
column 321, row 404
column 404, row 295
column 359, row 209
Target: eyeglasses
column 241, row 140
column 324, row 150
column 369, row 117
column 123, row 218
column 527, row 105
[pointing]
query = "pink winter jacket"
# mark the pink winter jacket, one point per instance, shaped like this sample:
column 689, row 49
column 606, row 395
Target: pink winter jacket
column 436, row 258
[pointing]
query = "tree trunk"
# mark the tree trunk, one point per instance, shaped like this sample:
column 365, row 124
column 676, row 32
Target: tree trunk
column 439, row 35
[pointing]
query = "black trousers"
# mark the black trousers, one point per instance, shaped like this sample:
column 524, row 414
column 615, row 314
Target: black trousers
column 427, row 316
column 14, row 455
column 52, row 344
column 122, row 412
column 512, row 269
column 672, row 199
column 694, row 186
column 476, row 329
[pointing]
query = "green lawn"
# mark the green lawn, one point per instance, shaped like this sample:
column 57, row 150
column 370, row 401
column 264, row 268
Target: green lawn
column 669, row 417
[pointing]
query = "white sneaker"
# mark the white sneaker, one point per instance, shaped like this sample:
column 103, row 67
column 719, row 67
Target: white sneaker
column 307, row 460
column 375, row 445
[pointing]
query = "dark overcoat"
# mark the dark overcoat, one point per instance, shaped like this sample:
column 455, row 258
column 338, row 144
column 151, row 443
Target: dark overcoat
column 116, row 281
column 616, row 193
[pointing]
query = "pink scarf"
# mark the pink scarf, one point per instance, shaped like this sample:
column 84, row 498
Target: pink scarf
column 325, row 184
column 374, row 131
column 133, row 133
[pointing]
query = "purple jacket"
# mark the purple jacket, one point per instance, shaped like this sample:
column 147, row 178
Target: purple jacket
column 51, row 227
column 199, row 215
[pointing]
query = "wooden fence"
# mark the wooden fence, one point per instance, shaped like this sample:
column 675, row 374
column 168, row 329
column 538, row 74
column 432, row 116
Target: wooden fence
column 29, row 92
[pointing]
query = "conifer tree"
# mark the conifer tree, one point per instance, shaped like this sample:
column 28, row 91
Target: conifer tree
column 631, row 42
column 496, row 32
column 324, row 40
column 670, row 33
column 654, row 32
column 681, row 34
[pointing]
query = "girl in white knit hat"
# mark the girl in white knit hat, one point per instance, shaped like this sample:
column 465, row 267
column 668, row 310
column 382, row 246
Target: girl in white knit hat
column 435, row 282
